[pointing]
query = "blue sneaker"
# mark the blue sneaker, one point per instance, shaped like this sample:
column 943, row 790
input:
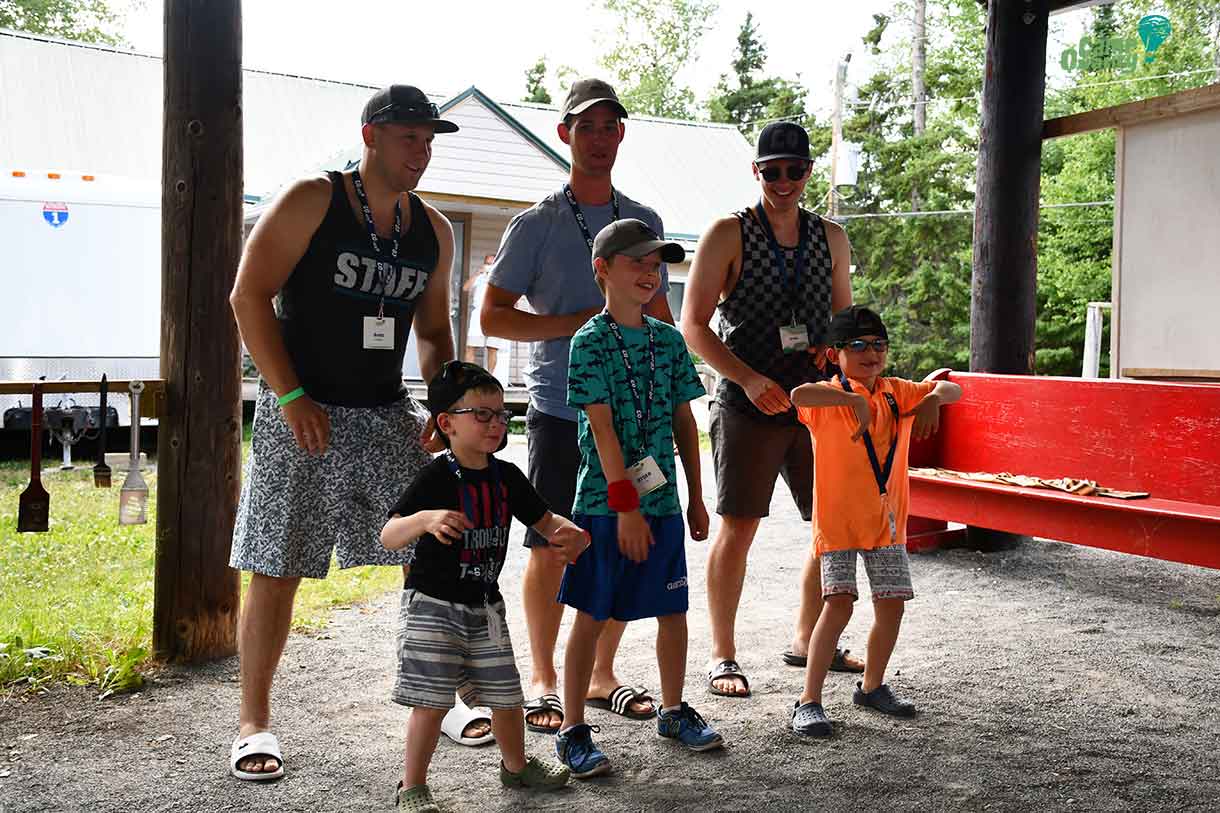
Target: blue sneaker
column 575, row 749
column 688, row 727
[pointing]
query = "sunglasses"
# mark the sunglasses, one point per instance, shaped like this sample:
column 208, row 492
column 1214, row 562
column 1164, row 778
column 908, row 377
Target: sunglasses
column 484, row 414
column 407, row 111
column 859, row 345
column 794, row 172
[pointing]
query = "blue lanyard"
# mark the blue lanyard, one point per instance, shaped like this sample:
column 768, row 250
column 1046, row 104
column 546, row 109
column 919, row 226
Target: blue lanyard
column 643, row 410
column 468, row 502
column 580, row 216
column 881, row 473
column 791, row 281
column 372, row 229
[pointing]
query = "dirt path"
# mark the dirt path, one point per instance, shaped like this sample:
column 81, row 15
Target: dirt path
column 1051, row 677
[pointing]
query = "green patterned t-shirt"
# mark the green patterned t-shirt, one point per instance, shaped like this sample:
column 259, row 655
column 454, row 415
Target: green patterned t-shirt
column 597, row 375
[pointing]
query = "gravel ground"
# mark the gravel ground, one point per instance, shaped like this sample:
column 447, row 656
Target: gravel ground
column 1048, row 677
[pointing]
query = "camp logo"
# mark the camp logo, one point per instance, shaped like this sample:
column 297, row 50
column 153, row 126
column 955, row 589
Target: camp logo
column 1118, row 53
column 56, row 214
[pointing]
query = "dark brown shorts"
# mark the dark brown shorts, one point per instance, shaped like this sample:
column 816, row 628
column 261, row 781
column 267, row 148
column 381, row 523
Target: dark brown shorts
column 749, row 454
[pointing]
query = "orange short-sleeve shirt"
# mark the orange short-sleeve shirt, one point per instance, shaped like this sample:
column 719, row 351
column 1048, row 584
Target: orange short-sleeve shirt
column 847, row 509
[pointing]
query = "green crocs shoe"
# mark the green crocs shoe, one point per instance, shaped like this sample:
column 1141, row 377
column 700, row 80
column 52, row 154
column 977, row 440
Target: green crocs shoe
column 416, row 800
column 535, row 774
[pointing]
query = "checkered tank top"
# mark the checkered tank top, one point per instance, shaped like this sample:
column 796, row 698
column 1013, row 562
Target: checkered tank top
column 750, row 316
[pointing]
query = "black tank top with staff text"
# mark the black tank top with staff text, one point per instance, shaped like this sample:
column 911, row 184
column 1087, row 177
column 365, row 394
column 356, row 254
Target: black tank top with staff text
column 763, row 299
column 337, row 283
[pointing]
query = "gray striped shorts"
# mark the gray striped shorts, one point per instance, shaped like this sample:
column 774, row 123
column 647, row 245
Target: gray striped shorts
column 445, row 647
column 296, row 508
column 888, row 568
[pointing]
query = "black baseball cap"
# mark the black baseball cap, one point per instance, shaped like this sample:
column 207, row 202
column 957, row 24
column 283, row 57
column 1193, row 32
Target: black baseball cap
column 635, row 238
column 454, row 380
column 585, row 93
column 783, row 139
column 404, row 104
column 855, row 321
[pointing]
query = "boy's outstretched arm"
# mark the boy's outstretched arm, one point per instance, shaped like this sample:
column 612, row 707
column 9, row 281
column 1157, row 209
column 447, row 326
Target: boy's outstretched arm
column 927, row 411
column 817, row 395
column 447, row 526
column 567, row 540
column 634, row 537
column 686, row 436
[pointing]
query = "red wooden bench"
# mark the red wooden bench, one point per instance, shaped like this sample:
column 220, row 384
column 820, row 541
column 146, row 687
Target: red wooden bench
column 1163, row 438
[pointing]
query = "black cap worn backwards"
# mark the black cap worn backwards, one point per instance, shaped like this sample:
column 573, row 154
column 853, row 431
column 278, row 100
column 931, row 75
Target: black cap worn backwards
column 455, row 379
column 856, row 321
column 635, row 239
column 585, row 93
column 783, row 139
column 404, row 104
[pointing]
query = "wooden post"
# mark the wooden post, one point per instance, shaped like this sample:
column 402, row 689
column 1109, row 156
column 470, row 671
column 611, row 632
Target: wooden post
column 199, row 446
column 919, row 53
column 1003, row 294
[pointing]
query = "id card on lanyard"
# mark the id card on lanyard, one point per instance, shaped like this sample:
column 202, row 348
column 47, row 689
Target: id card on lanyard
column 881, row 472
column 645, row 474
column 793, row 337
column 378, row 331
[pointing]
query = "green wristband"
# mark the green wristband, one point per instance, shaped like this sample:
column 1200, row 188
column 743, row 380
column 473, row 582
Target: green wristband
column 289, row 397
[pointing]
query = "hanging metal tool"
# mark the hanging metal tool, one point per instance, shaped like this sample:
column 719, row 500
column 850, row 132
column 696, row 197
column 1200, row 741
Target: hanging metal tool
column 101, row 471
column 133, row 498
column 34, row 505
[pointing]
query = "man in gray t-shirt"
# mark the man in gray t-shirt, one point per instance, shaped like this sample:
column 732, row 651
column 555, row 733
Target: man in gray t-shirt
column 545, row 256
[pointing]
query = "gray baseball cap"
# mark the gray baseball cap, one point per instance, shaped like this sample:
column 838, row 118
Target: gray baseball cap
column 635, row 239
column 585, row 93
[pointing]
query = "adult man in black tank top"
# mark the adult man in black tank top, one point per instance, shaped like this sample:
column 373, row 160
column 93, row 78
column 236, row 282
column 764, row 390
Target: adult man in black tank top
column 334, row 277
column 776, row 273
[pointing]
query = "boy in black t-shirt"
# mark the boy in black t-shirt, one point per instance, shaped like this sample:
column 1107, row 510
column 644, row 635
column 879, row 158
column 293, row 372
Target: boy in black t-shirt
column 452, row 632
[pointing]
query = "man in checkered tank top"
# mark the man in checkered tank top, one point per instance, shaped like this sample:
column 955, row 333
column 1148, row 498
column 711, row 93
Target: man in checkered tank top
column 774, row 272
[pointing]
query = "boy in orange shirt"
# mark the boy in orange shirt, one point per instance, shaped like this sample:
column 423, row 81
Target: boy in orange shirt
column 861, row 424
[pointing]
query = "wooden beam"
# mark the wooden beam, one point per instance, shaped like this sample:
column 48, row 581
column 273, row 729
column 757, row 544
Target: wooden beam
column 1195, row 100
column 151, row 402
column 1005, row 268
column 196, row 594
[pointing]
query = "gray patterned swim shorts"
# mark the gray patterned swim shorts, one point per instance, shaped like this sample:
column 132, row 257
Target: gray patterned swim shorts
column 296, row 508
column 888, row 568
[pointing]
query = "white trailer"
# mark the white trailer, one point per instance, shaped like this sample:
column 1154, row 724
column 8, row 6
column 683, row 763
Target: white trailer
column 80, row 257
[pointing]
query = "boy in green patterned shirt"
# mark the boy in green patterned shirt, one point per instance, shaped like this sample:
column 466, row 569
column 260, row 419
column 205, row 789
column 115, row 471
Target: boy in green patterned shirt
column 633, row 379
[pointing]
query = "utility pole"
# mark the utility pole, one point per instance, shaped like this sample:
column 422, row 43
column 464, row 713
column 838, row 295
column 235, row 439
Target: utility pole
column 836, row 139
column 918, row 62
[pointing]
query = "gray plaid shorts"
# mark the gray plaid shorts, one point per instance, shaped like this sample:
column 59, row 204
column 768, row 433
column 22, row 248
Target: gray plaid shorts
column 296, row 508
column 888, row 569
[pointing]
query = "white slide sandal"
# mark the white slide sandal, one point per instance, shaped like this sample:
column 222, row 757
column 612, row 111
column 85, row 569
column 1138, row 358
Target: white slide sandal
column 460, row 716
column 261, row 744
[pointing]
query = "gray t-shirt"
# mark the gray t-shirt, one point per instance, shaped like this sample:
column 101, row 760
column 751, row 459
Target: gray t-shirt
column 544, row 257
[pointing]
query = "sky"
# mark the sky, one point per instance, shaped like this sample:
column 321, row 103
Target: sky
column 492, row 44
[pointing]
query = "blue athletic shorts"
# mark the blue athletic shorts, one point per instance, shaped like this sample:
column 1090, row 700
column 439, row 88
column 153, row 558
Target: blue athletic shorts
column 605, row 584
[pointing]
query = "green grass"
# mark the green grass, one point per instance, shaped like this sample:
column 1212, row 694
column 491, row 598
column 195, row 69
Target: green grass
column 76, row 603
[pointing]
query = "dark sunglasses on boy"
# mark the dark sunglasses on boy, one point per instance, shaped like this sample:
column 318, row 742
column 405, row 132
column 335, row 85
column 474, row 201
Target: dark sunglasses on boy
column 484, row 414
column 794, row 172
column 860, row 345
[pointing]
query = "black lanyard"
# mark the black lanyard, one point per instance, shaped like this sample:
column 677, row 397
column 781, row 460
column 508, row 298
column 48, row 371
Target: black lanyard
column 372, row 229
column 791, row 281
column 643, row 410
column 881, row 473
column 468, row 502
column 580, row 216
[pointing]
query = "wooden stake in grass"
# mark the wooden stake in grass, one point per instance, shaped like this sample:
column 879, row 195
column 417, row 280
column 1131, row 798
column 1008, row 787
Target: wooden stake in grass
column 133, row 498
column 34, row 506
column 101, row 471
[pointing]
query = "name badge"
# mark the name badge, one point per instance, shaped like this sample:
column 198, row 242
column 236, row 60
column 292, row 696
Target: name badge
column 378, row 333
column 794, row 338
column 646, row 476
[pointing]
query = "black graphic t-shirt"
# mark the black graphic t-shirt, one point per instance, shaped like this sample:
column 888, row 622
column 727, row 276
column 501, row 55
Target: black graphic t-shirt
column 466, row 572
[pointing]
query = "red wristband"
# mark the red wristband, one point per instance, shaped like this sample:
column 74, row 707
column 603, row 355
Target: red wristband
column 622, row 497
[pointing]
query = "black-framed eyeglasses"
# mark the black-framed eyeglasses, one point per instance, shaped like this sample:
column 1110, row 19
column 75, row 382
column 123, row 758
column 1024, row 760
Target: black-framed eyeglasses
column 407, row 111
column 485, row 414
column 860, row 345
column 794, row 172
